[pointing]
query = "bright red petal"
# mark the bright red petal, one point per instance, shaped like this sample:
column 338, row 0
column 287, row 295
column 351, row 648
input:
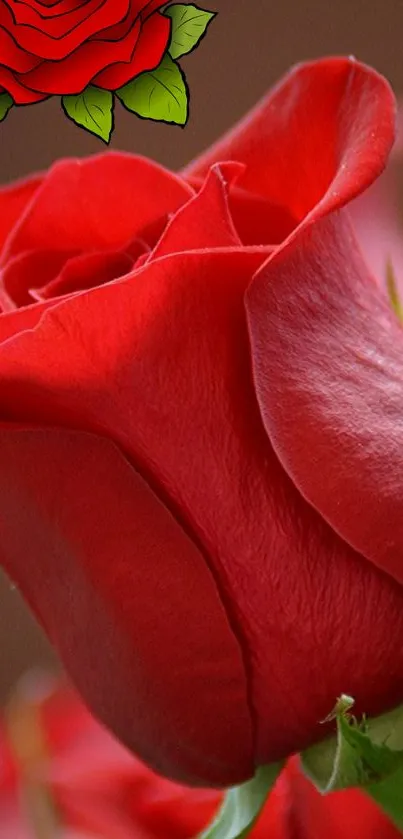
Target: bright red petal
column 205, row 221
column 26, row 271
column 168, row 378
column 317, row 140
column 13, row 201
column 114, row 196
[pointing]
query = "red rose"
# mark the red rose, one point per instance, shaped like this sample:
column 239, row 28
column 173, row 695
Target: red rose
column 62, row 46
column 62, row 771
column 200, row 450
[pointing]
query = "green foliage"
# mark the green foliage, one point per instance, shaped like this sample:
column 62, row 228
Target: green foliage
column 189, row 25
column 92, row 109
column 6, row 103
column 242, row 806
column 391, row 286
column 159, row 94
column 366, row 754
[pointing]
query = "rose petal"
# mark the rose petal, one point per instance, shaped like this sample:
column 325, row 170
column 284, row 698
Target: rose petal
column 317, row 140
column 26, row 270
column 328, row 371
column 115, row 195
column 105, row 549
column 204, row 221
column 85, row 271
column 168, row 378
column 13, row 201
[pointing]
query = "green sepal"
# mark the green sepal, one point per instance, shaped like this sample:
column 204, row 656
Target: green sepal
column 242, row 806
column 189, row 25
column 159, row 94
column 366, row 754
column 6, row 103
column 393, row 293
column 91, row 109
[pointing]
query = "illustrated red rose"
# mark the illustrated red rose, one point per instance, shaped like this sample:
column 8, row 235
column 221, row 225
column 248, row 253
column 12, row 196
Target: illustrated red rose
column 200, row 385
column 60, row 47
column 63, row 772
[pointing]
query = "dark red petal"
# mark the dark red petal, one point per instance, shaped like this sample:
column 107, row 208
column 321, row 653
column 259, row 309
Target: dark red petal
column 160, row 362
column 128, row 599
column 13, row 201
column 205, row 221
column 317, row 140
column 147, row 54
column 114, row 196
column 327, row 355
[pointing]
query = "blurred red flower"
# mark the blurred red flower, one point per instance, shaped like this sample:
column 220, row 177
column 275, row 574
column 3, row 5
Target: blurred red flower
column 63, row 776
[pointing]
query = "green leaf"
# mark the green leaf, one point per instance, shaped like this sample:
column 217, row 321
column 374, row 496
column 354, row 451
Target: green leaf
column 92, row 109
column 189, row 25
column 391, row 286
column 366, row 754
column 242, row 806
column 6, row 103
column 159, row 94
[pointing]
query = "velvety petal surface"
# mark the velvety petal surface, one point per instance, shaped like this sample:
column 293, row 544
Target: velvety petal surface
column 159, row 363
column 168, row 378
column 127, row 597
column 328, row 371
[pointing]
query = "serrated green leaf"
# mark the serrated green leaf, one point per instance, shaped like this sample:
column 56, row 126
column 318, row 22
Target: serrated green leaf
column 159, row 94
column 366, row 754
column 393, row 293
column 242, row 806
column 6, row 103
column 92, row 109
column 189, row 24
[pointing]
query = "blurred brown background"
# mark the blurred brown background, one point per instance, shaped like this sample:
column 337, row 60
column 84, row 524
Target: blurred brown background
column 249, row 45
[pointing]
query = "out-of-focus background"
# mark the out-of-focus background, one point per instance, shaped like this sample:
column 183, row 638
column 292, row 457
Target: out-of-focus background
column 249, row 45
